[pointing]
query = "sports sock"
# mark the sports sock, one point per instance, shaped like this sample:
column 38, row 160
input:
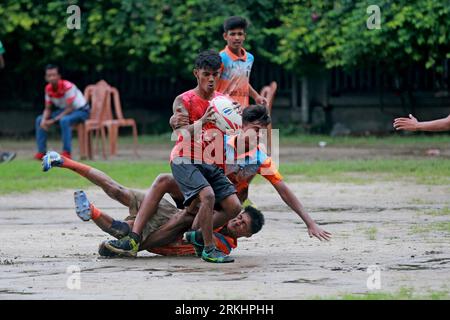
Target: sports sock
column 136, row 237
column 210, row 248
column 198, row 237
column 78, row 167
column 95, row 212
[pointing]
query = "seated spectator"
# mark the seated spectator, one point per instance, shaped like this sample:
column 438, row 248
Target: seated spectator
column 71, row 108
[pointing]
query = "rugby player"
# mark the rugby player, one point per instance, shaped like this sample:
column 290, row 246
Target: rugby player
column 162, row 233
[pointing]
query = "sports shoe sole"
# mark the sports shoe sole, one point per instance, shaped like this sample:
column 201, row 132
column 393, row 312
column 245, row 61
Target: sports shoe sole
column 82, row 205
column 105, row 252
column 47, row 161
column 214, row 260
column 121, row 252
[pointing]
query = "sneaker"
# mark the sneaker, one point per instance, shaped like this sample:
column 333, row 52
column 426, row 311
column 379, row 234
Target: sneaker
column 190, row 237
column 216, row 256
column 82, row 205
column 126, row 246
column 39, row 155
column 66, row 154
column 105, row 252
column 50, row 160
column 7, row 156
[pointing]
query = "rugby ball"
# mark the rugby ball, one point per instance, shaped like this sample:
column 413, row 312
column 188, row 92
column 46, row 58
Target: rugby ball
column 226, row 114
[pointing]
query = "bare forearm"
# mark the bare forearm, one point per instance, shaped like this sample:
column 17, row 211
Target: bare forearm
column 291, row 200
column 169, row 232
column 435, row 125
column 252, row 92
column 46, row 113
column 2, row 62
column 191, row 128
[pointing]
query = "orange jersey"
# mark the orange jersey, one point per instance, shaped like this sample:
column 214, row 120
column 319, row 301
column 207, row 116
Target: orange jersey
column 235, row 75
column 242, row 168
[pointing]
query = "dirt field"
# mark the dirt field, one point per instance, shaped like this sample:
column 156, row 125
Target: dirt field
column 378, row 223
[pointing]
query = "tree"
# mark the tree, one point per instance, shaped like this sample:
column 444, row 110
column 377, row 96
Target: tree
column 334, row 34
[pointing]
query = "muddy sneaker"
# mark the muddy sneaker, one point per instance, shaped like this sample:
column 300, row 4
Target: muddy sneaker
column 216, row 256
column 82, row 205
column 105, row 252
column 50, row 160
column 191, row 237
column 127, row 246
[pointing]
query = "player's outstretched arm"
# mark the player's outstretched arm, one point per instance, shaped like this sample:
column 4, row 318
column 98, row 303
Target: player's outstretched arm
column 291, row 200
column 412, row 124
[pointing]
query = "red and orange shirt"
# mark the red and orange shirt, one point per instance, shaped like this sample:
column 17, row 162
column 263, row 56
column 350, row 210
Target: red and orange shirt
column 66, row 94
column 242, row 168
column 235, row 75
column 196, row 107
column 180, row 248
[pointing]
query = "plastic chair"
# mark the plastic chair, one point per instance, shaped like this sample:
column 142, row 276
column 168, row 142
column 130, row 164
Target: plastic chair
column 98, row 96
column 114, row 125
column 268, row 92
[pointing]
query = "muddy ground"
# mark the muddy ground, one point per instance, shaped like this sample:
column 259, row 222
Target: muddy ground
column 378, row 223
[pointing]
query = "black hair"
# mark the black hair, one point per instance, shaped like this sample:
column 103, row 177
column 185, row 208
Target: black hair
column 208, row 59
column 235, row 22
column 256, row 113
column 51, row 66
column 256, row 217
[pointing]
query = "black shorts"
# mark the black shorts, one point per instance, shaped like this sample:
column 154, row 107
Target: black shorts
column 193, row 177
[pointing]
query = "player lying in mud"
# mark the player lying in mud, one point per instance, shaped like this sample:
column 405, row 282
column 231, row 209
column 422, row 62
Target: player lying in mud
column 163, row 232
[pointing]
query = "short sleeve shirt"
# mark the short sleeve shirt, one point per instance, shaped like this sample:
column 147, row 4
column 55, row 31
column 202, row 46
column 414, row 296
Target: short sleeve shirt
column 235, row 75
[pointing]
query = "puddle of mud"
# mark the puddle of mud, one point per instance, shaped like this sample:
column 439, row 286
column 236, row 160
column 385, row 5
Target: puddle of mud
column 16, row 292
column 308, row 281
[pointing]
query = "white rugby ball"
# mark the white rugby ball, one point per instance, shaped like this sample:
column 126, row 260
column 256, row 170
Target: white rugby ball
column 226, row 114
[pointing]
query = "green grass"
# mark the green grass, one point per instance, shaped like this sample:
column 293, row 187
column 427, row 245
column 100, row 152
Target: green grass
column 441, row 212
column 396, row 140
column 26, row 175
column 371, row 233
column 431, row 227
column 401, row 294
column 416, row 140
column 424, row 171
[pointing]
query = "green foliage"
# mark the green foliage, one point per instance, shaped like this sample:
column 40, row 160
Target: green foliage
column 334, row 34
column 150, row 35
column 165, row 36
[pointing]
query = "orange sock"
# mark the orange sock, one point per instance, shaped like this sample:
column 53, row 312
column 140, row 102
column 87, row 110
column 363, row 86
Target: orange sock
column 95, row 212
column 78, row 167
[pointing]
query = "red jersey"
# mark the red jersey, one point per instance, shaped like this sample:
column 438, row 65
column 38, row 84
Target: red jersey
column 196, row 107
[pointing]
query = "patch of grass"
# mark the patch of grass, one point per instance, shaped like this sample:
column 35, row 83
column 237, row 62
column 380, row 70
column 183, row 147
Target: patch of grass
column 423, row 171
column 26, row 175
column 371, row 233
column 402, row 294
column 441, row 212
column 416, row 140
column 432, row 227
column 418, row 201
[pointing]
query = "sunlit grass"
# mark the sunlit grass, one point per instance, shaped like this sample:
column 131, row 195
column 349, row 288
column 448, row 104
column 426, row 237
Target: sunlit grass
column 402, row 294
column 26, row 175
